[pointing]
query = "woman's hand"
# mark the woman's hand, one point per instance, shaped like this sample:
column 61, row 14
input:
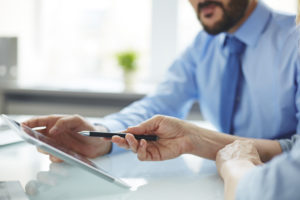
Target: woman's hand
column 173, row 139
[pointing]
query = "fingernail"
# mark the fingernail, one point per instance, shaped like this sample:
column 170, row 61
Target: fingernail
column 130, row 141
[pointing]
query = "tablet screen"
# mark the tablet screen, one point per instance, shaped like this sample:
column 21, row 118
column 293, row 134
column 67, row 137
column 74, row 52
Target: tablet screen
column 51, row 146
column 40, row 137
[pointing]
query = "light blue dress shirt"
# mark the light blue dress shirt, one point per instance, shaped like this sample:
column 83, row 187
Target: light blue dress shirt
column 268, row 97
column 276, row 180
column 280, row 178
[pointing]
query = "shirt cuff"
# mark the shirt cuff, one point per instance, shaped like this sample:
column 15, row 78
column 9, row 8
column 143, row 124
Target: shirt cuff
column 112, row 126
column 287, row 144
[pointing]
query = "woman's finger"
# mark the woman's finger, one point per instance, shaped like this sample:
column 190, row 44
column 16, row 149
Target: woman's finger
column 121, row 142
column 133, row 143
column 142, row 153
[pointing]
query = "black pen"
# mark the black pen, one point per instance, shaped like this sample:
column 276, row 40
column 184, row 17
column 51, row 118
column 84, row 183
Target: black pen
column 109, row 135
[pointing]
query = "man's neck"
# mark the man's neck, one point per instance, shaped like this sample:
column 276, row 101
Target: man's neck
column 251, row 7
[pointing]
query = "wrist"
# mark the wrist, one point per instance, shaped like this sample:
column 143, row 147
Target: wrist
column 190, row 138
column 234, row 170
column 108, row 147
column 203, row 143
column 190, row 144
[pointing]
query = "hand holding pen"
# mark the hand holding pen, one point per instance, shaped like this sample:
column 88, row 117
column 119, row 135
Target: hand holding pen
column 170, row 143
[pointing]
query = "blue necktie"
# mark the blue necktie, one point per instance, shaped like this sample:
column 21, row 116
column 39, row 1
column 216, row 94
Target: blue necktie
column 230, row 79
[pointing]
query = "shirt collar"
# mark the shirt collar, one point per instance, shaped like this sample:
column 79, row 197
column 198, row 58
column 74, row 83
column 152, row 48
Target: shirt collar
column 251, row 30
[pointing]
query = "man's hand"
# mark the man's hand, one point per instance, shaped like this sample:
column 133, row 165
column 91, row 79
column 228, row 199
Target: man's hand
column 64, row 130
column 234, row 161
column 172, row 140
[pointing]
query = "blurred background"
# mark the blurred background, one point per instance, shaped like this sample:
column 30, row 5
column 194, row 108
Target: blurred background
column 72, row 46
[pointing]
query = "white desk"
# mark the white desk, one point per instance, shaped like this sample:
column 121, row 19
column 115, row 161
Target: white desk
column 187, row 177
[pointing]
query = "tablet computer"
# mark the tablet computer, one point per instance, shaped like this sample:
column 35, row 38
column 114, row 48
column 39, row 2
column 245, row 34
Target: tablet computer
column 51, row 146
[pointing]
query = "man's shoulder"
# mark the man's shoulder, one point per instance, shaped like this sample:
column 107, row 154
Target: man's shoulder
column 279, row 29
column 283, row 21
column 284, row 26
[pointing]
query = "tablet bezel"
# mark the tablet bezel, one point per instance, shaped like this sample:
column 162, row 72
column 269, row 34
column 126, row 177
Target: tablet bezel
column 61, row 152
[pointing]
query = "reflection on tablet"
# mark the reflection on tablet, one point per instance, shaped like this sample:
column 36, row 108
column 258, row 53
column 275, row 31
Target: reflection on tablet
column 54, row 144
column 53, row 147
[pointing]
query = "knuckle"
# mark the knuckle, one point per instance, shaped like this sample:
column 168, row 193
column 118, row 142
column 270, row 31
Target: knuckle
column 141, row 158
column 77, row 119
column 158, row 117
column 61, row 122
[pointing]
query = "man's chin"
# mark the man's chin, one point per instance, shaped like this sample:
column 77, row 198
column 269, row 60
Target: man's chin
column 210, row 23
column 212, row 30
column 215, row 27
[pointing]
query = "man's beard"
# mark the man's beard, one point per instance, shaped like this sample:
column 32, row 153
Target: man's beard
column 231, row 16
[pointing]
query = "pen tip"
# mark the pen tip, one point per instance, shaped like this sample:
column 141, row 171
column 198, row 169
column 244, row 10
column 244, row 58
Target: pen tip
column 83, row 132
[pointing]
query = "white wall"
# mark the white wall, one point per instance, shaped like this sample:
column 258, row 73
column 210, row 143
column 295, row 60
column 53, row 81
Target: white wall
column 286, row 6
column 164, row 36
column 21, row 18
column 17, row 18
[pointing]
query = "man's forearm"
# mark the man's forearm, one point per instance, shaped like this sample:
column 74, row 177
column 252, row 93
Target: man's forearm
column 206, row 143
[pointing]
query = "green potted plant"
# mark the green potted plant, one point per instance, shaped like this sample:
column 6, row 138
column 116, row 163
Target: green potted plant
column 127, row 60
